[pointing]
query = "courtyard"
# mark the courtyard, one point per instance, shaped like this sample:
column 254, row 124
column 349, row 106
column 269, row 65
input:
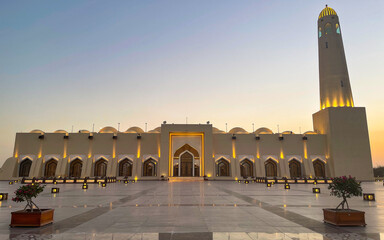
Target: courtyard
column 192, row 210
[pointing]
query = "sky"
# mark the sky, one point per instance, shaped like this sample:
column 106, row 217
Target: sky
column 71, row 64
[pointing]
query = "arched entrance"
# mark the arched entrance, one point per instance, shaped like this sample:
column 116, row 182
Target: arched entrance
column 270, row 168
column 50, row 168
column 125, row 168
column 25, row 166
column 295, row 168
column 75, row 168
column 246, row 168
column 319, row 168
column 101, row 168
column 223, row 168
column 186, row 165
column 186, row 162
column 149, row 168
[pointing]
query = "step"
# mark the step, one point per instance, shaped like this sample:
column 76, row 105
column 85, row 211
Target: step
column 186, row 179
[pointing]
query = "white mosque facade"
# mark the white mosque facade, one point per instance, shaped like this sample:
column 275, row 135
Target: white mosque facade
column 338, row 145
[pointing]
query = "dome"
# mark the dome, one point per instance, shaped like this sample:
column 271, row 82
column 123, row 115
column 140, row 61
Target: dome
column 60, row 131
column 134, row 130
column 156, row 130
column 310, row 132
column 108, row 130
column 327, row 11
column 263, row 130
column 287, row 132
column 37, row 131
column 216, row 130
column 84, row 131
column 237, row 130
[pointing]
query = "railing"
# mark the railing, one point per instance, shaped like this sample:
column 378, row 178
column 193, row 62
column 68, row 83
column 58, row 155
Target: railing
column 69, row 180
column 292, row 180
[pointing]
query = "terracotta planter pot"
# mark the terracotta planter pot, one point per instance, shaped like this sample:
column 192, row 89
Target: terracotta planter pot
column 345, row 217
column 32, row 219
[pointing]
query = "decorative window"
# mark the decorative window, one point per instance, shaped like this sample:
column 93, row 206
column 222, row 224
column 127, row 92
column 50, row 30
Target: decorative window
column 319, row 32
column 327, row 28
column 337, row 28
column 101, row 168
column 25, row 166
column 125, row 168
column 270, row 168
column 223, row 168
column 246, row 168
column 149, row 168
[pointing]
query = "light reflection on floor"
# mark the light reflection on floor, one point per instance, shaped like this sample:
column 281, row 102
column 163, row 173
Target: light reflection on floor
column 192, row 210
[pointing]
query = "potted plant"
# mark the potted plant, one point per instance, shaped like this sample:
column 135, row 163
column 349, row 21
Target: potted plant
column 344, row 187
column 30, row 217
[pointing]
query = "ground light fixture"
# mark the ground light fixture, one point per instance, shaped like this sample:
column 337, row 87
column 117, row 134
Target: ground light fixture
column 55, row 190
column 316, row 190
column 246, row 181
column 269, row 184
column 369, row 197
column 287, row 186
column 3, row 196
column 103, row 184
column 314, row 183
column 10, row 182
column 85, row 186
column 126, row 181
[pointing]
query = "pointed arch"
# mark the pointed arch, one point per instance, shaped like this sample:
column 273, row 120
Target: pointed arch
column 50, row 168
column 223, row 168
column 295, row 168
column 75, row 168
column 125, row 168
column 186, row 147
column 25, row 167
column 149, row 168
column 246, row 168
column 101, row 168
column 328, row 28
column 319, row 168
column 270, row 168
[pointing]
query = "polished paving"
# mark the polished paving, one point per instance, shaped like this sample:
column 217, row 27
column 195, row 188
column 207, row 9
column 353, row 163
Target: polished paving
column 213, row 210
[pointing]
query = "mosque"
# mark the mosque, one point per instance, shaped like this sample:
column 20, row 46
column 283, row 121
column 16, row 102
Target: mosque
column 338, row 145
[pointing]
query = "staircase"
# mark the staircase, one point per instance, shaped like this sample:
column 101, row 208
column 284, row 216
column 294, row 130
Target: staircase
column 186, row 179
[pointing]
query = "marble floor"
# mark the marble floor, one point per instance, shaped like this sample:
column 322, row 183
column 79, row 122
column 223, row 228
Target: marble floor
column 213, row 210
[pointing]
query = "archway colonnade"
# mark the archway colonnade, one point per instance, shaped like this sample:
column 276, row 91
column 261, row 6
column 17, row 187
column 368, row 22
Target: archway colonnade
column 246, row 168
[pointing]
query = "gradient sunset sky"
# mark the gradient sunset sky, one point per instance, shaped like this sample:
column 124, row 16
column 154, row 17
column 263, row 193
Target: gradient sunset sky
column 75, row 63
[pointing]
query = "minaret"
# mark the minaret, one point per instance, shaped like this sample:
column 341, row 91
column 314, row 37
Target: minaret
column 335, row 88
column 343, row 126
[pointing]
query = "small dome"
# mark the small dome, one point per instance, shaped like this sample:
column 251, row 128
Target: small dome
column 238, row 130
column 263, row 130
column 156, row 130
column 327, row 11
column 309, row 132
column 287, row 132
column 216, row 130
column 134, row 130
column 84, row 131
column 37, row 131
column 108, row 130
column 60, row 131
